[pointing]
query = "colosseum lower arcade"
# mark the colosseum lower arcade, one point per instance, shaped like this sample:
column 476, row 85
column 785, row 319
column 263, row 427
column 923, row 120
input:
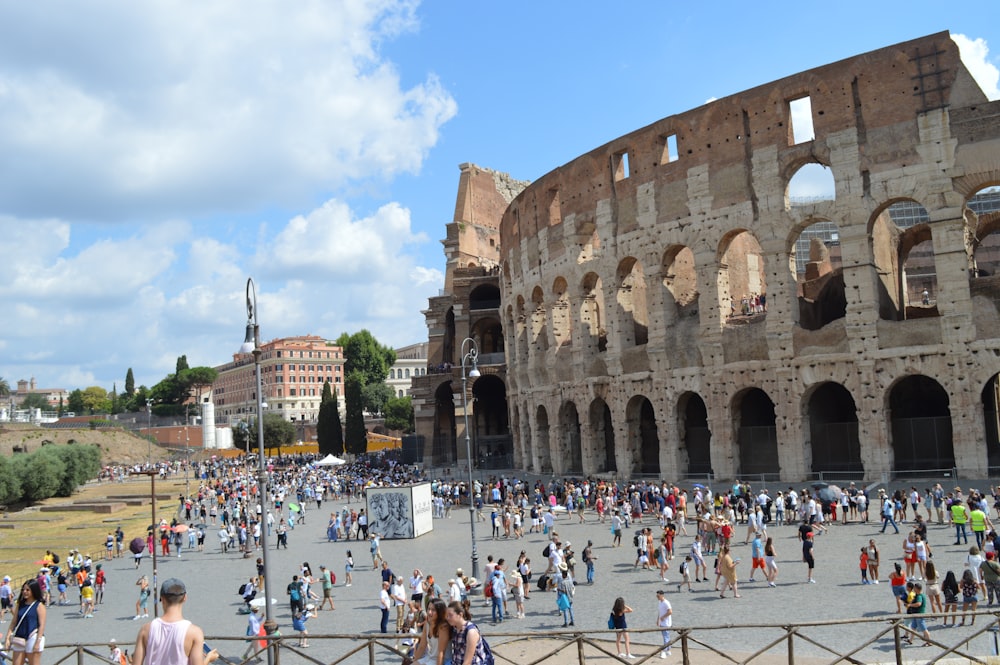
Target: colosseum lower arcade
column 672, row 305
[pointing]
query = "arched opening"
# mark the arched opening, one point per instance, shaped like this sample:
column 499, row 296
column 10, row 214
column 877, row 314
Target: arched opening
column 604, row 434
column 680, row 306
column 991, row 418
column 542, row 451
column 742, row 277
column 522, row 332
column 562, row 329
column 643, row 440
column 811, row 183
column 755, row 423
column 921, row 425
column 448, row 347
column 695, row 436
column 833, row 430
column 539, row 330
column 491, row 444
column 570, row 446
column 444, row 447
column 817, row 266
column 489, row 338
column 985, row 206
column 484, row 296
column 632, row 301
column 903, row 258
column 592, row 313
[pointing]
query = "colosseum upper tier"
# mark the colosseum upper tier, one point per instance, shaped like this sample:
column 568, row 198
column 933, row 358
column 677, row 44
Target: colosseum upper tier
column 671, row 306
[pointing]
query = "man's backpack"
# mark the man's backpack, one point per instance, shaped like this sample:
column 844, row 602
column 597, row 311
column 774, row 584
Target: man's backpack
column 55, row 558
column 635, row 540
column 547, row 551
column 488, row 589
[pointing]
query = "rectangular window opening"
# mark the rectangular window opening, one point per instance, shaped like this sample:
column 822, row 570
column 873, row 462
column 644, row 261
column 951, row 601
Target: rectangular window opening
column 670, row 153
column 620, row 166
column 801, row 120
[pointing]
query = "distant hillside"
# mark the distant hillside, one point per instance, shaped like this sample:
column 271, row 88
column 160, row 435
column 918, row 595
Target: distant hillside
column 117, row 446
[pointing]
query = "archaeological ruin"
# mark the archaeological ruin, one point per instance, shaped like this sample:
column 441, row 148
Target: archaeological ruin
column 666, row 305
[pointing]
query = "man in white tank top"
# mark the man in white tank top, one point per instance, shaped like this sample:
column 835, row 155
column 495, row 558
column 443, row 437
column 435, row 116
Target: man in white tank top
column 171, row 639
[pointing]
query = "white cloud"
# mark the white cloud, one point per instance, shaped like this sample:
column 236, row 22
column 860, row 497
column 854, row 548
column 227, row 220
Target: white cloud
column 213, row 106
column 975, row 55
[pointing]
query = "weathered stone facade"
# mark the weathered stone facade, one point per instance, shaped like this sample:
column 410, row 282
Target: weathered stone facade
column 469, row 308
column 625, row 275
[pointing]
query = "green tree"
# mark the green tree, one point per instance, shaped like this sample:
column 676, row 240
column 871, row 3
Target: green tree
column 35, row 401
column 329, row 431
column 75, row 403
column 182, row 364
column 363, row 353
column 10, row 485
column 195, row 379
column 95, row 400
column 4, row 387
column 243, row 435
column 278, row 432
column 355, row 434
column 41, row 474
column 399, row 414
column 375, row 396
column 129, row 383
column 81, row 463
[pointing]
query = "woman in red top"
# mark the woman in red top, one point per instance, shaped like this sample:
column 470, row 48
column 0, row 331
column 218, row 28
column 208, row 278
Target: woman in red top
column 898, row 581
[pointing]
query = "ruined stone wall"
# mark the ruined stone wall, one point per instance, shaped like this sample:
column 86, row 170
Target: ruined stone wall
column 701, row 192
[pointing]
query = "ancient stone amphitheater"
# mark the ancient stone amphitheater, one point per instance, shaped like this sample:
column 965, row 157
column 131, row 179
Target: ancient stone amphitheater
column 668, row 306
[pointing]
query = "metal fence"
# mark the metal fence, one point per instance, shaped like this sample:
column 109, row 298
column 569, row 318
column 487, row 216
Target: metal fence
column 856, row 641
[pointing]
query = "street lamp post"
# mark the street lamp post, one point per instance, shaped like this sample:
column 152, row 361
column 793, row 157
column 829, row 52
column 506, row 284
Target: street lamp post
column 251, row 344
column 472, row 355
column 156, row 528
column 149, row 432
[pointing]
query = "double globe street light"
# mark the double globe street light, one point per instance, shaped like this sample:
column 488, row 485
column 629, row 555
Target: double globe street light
column 251, row 345
column 472, row 356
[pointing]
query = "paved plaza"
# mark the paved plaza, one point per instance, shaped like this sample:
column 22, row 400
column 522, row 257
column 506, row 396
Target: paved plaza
column 213, row 579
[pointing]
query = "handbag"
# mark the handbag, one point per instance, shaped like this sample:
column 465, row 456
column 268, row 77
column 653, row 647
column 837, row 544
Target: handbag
column 611, row 621
column 20, row 642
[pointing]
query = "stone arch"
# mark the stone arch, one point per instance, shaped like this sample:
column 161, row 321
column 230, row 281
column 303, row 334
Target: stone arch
column 903, row 260
column 570, row 445
column 631, row 297
column 816, row 265
column 490, row 427
column 542, row 451
column 522, row 332
column 756, row 433
column 985, row 208
column 448, row 346
column 539, row 326
column 444, row 447
column 742, row 275
column 643, row 439
column 484, row 296
column 920, row 425
column 831, row 418
column 694, row 433
column 562, row 316
column 603, row 430
column 991, row 420
column 488, row 334
column 592, row 313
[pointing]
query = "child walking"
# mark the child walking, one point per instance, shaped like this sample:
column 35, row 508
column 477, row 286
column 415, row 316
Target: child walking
column 685, row 574
column 863, row 564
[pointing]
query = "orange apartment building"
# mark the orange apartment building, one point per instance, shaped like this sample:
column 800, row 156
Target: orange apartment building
column 292, row 372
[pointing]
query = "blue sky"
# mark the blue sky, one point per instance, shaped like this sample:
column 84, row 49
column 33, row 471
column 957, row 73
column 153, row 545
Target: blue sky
column 154, row 155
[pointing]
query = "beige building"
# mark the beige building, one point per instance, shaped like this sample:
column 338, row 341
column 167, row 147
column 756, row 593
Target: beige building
column 625, row 271
column 293, row 371
column 411, row 362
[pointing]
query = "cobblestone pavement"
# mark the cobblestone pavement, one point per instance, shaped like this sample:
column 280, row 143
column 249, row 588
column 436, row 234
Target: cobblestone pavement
column 213, row 578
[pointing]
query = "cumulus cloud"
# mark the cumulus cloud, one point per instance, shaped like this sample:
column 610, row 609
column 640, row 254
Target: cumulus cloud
column 975, row 55
column 208, row 108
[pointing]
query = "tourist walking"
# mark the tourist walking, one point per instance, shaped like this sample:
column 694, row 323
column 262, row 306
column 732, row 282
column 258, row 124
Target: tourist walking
column 664, row 620
column 620, row 625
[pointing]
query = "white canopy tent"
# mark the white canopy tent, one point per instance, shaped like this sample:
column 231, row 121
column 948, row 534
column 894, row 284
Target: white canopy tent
column 330, row 460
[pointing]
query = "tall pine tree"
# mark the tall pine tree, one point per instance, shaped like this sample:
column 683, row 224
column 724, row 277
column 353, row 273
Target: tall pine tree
column 329, row 431
column 129, row 383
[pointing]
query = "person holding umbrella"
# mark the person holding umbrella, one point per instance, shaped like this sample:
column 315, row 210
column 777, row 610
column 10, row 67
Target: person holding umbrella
column 136, row 546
